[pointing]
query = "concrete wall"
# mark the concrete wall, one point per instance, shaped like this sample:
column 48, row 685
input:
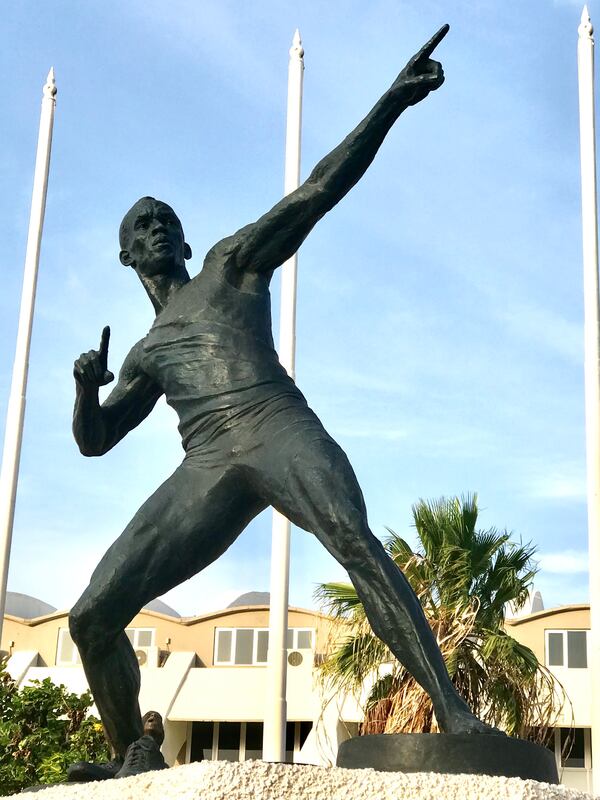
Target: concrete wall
column 239, row 694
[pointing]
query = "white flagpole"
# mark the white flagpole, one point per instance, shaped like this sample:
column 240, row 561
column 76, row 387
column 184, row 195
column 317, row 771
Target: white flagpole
column 585, row 61
column 276, row 706
column 13, row 433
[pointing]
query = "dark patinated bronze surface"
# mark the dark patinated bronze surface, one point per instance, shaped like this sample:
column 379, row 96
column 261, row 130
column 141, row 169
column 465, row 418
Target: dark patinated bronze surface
column 249, row 436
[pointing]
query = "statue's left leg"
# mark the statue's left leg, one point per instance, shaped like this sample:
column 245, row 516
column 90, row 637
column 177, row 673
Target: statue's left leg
column 320, row 493
column 189, row 521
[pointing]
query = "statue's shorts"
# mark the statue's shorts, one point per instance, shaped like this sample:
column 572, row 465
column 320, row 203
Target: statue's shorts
column 275, row 453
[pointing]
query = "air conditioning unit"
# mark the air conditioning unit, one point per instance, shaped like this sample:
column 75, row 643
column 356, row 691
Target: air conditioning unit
column 147, row 656
column 295, row 658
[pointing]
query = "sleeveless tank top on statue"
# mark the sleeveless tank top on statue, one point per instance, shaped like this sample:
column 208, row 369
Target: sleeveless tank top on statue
column 211, row 351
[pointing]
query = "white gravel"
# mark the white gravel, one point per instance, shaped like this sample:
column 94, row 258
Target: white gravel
column 259, row 780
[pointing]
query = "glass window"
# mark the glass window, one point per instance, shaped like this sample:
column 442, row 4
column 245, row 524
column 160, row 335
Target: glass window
column 202, row 741
column 242, row 646
column 299, row 639
column 290, row 735
column 66, row 652
column 304, row 640
column 262, row 646
column 254, row 741
column 577, row 649
column 140, row 637
column 230, row 738
column 229, row 741
column 572, row 747
column 566, row 649
column 144, row 638
column 224, row 646
column 67, row 648
column 555, row 650
column 244, row 642
column 305, row 729
column 247, row 646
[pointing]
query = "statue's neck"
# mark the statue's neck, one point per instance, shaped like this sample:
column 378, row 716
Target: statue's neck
column 161, row 288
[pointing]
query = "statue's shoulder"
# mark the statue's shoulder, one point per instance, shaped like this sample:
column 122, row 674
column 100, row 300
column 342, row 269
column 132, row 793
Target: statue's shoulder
column 133, row 359
column 220, row 256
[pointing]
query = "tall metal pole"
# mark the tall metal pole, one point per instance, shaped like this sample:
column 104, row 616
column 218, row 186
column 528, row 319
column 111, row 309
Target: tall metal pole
column 276, row 706
column 13, row 433
column 585, row 61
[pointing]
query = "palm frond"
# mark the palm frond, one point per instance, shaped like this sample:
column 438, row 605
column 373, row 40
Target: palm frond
column 464, row 577
column 339, row 600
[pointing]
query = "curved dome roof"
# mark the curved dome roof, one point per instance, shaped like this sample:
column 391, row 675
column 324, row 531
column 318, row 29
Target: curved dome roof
column 161, row 608
column 26, row 606
column 251, row 599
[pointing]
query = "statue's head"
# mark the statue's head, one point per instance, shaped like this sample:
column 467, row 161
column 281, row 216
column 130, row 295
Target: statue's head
column 153, row 726
column 152, row 240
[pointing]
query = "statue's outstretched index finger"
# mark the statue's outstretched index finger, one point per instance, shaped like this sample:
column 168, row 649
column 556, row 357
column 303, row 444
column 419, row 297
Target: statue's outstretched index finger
column 428, row 48
column 104, row 340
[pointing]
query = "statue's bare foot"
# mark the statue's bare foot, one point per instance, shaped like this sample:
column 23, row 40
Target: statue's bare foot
column 461, row 719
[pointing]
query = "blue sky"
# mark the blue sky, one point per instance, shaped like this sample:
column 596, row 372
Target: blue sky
column 439, row 305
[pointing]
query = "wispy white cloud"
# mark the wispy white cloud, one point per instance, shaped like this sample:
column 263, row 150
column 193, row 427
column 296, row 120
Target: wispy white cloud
column 545, row 328
column 562, row 482
column 564, row 562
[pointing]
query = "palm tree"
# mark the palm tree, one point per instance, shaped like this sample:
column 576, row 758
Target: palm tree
column 464, row 578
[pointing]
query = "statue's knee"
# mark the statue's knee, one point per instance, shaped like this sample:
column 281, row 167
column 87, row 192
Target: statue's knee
column 354, row 537
column 84, row 626
column 352, row 521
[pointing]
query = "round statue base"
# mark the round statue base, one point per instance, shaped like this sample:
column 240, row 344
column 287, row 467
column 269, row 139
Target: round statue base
column 473, row 754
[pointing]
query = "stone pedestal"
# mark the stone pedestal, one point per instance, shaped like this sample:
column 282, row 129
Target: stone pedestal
column 474, row 754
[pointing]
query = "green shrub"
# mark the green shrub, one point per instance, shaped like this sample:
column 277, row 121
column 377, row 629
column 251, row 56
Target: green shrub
column 43, row 729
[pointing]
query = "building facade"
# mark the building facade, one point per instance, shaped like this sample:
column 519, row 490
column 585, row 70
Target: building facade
column 207, row 676
column 559, row 639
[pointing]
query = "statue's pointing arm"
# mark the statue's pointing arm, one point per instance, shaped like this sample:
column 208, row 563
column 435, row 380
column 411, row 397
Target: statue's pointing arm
column 275, row 237
column 97, row 428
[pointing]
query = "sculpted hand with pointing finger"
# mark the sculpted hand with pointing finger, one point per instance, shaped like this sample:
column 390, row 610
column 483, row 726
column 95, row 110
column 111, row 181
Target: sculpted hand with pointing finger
column 98, row 427
column 421, row 75
column 91, row 368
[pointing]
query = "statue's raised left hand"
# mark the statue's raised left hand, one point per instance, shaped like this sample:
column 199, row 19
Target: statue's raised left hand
column 421, row 75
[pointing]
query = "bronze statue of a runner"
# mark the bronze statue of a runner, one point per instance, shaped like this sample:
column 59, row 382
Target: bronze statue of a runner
column 249, row 437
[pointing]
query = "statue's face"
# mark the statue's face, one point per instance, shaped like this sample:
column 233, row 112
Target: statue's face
column 153, row 241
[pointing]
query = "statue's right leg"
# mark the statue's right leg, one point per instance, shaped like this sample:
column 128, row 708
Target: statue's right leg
column 187, row 523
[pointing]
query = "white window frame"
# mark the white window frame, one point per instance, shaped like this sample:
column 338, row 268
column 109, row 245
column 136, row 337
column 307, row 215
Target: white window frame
column 295, row 633
column 564, row 632
column 255, row 663
column 587, row 768
column 231, row 662
column 76, row 660
column 136, row 632
column 214, row 756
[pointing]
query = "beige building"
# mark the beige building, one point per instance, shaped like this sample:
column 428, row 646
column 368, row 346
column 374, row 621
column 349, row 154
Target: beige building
column 207, row 676
column 559, row 639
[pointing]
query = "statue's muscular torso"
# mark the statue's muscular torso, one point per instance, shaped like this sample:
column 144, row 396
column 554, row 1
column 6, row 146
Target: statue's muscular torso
column 211, row 350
